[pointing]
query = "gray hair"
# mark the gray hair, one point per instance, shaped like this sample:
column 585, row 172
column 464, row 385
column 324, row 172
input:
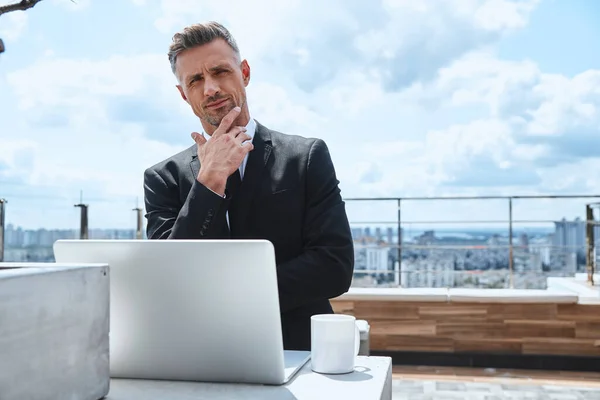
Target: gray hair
column 198, row 35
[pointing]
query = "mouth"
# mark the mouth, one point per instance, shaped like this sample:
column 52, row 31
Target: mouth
column 216, row 104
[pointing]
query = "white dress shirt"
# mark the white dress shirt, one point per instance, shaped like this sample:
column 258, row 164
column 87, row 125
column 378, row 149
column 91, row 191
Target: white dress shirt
column 250, row 131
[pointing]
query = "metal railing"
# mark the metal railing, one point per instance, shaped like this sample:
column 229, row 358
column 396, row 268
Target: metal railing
column 400, row 205
column 587, row 209
column 479, row 266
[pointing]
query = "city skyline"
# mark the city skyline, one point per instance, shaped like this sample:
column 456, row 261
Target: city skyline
column 430, row 258
column 369, row 230
column 421, row 214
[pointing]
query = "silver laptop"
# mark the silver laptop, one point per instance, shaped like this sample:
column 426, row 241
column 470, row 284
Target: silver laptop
column 194, row 310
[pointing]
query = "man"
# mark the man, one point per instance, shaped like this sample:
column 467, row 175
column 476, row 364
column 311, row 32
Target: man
column 242, row 180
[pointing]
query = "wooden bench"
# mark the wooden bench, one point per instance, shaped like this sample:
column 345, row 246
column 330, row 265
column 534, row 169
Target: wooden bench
column 471, row 322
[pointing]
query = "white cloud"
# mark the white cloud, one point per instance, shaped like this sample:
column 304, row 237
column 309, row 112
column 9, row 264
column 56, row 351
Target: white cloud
column 540, row 108
column 75, row 82
column 404, row 42
column 72, row 121
column 535, row 133
column 496, row 15
column 13, row 25
column 273, row 106
column 72, row 5
column 98, row 125
column 550, row 103
column 14, row 158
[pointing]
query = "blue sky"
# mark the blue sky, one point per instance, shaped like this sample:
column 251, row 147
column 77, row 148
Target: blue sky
column 429, row 98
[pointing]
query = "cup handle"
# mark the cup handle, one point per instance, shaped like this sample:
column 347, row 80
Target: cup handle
column 356, row 340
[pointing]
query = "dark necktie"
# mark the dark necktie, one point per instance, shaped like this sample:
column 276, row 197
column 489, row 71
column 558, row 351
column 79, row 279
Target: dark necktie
column 234, row 182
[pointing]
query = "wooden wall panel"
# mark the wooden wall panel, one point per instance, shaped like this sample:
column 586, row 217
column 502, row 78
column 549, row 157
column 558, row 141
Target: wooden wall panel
column 560, row 346
column 544, row 329
column 587, row 330
column 495, row 345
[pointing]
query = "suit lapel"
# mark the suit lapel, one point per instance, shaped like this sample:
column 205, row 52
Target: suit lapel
column 257, row 161
column 195, row 163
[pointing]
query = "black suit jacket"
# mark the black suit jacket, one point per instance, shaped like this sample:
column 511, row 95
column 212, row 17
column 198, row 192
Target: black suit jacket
column 289, row 196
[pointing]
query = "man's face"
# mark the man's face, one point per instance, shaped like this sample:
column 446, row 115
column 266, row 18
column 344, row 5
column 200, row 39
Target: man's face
column 212, row 80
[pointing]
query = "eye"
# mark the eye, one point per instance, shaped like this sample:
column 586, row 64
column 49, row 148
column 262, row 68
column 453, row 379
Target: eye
column 193, row 80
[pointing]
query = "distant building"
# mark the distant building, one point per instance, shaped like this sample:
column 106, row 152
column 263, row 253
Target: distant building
column 377, row 258
column 378, row 235
column 524, row 241
column 390, row 235
column 544, row 252
column 435, row 271
column 35, row 245
column 494, row 240
column 569, row 244
column 427, row 238
column 569, row 236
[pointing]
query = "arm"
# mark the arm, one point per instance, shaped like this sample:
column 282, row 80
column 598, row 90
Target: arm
column 197, row 218
column 324, row 270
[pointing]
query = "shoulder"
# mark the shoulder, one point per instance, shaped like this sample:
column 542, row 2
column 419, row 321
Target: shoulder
column 172, row 165
column 307, row 156
column 297, row 146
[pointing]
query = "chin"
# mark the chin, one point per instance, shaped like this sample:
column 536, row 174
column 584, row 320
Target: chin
column 214, row 117
column 214, row 120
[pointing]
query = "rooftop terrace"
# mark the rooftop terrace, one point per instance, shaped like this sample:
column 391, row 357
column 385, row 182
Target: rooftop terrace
column 476, row 344
column 443, row 383
column 494, row 320
column 487, row 302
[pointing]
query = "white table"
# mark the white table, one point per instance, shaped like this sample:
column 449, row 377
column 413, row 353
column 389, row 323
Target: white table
column 372, row 379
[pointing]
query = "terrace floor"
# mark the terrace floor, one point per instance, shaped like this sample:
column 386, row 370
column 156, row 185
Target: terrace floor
column 449, row 383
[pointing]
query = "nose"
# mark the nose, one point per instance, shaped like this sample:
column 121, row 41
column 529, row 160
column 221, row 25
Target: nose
column 210, row 87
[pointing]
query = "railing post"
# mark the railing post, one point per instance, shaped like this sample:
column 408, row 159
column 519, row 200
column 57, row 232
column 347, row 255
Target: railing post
column 510, row 243
column 140, row 224
column 590, row 241
column 399, row 243
column 83, row 221
column 2, row 219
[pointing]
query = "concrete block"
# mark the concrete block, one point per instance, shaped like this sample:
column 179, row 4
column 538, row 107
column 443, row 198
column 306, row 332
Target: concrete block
column 54, row 331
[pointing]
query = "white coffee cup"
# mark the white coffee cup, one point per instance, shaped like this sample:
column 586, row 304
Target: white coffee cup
column 335, row 342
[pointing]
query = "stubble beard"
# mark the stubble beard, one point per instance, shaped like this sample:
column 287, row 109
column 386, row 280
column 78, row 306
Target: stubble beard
column 216, row 117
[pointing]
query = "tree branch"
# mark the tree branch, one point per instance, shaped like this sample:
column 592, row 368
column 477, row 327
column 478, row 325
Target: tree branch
column 19, row 6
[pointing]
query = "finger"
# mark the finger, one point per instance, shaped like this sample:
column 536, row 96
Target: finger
column 247, row 145
column 198, row 138
column 227, row 121
column 236, row 130
column 242, row 137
